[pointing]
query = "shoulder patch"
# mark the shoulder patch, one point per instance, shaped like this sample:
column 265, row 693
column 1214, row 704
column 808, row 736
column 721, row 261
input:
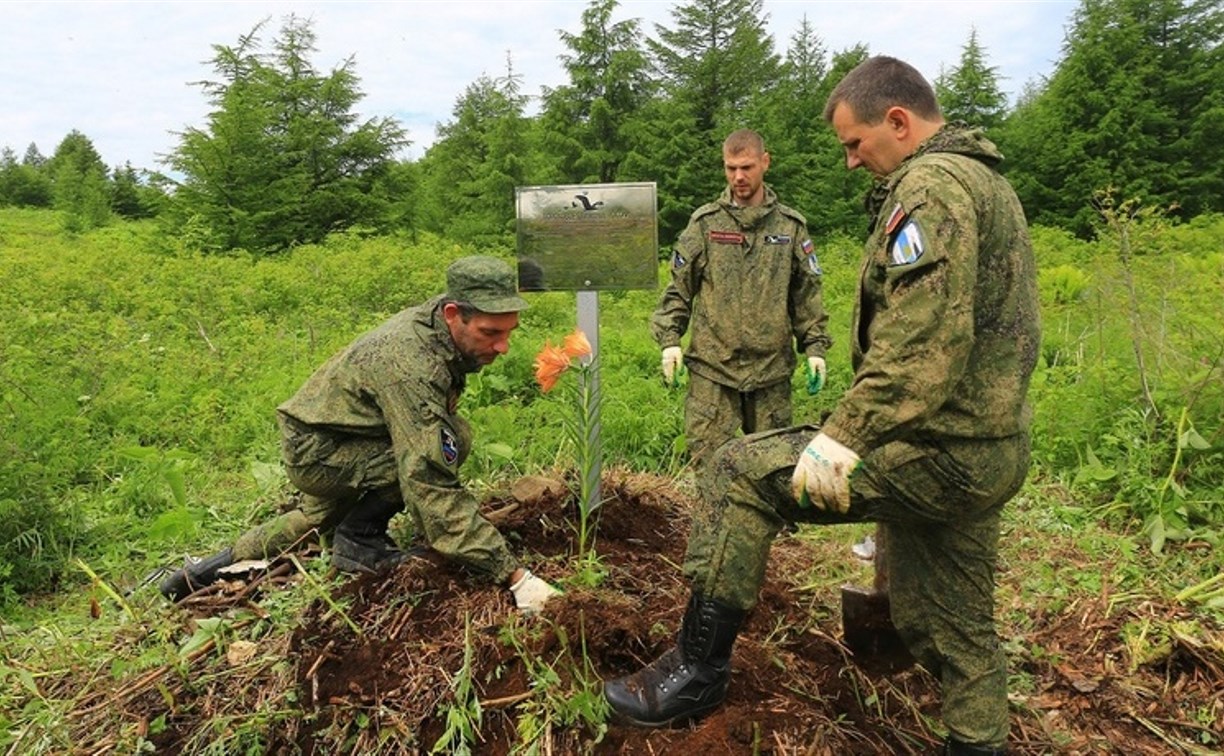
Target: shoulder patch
column 449, row 445
column 813, row 262
column 894, row 219
column 908, row 245
column 678, row 260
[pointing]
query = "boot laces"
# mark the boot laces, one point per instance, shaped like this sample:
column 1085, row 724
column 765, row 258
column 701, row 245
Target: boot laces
column 674, row 676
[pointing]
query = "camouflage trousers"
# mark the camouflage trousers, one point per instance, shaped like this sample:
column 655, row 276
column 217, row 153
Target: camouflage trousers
column 714, row 414
column 939, row 504
column 333, row 473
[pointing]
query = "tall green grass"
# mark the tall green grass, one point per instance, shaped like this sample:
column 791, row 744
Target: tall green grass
column 138, row 380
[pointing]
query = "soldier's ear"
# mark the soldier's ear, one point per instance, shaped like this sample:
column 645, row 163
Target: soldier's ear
column 899, row 121
column 451, row 313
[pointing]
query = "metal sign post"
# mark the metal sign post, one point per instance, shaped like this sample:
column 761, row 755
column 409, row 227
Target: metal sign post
column 586, row 238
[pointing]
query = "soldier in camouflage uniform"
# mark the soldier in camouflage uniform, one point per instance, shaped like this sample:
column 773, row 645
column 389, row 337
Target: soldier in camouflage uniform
column 375, row 428
column 746, row 281
column 931, row 440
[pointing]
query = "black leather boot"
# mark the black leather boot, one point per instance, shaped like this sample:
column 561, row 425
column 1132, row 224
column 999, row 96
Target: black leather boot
column 956, row 748
column 690, row 679
column 196, row 573
column 361, row 542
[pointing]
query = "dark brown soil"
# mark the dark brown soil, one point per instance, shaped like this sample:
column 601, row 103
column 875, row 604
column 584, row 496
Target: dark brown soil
column 795, row 687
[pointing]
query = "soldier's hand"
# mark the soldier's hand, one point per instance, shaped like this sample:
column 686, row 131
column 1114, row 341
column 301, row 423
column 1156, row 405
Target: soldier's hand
column 815, row 375
column 822, row 474
column 672, row 363
column 531, row 593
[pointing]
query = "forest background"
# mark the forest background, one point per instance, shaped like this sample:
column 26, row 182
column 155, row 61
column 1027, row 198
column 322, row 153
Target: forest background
column 151, row 320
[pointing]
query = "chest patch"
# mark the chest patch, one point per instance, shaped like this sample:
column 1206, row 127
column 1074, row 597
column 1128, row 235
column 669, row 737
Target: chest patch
column 777, row 239
column 908, row 245
column 726, row 237
column 448, row 445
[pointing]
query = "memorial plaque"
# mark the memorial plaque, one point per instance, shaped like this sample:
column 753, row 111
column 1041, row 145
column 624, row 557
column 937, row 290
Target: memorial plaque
column 588, row 237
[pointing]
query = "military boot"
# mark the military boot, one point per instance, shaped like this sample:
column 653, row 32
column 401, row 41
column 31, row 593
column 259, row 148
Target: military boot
column 361, row 542
column 197, row 572
column 954, row 747
column 690, row 679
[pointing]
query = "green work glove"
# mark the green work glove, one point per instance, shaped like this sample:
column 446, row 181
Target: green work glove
column 815, row 375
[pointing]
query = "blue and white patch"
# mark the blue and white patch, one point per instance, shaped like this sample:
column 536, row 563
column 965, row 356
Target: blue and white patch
column 814, row 265
column 678, row 260
column 777, row 239
column 908, row 245
column 449, row 445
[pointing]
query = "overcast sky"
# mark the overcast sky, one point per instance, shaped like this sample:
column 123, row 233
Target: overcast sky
column 121, row 72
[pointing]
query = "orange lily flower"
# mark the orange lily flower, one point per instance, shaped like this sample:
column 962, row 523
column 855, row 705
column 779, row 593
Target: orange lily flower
column 576, row 345
column 550, row 363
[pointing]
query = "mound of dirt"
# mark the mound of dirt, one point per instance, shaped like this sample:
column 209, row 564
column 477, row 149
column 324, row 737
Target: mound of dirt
column 392, row 663
column 790, row 688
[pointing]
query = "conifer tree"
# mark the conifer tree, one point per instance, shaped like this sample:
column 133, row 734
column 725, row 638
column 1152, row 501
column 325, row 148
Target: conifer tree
column 282, row 159
column 970, row 91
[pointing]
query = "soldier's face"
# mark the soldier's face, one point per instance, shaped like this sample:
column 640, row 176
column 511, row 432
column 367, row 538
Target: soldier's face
column 484, row 337
column 878, row 147
column 746, row 175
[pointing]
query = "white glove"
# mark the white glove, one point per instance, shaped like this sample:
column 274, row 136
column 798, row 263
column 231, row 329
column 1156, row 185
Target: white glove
column 672, row 361
column 531, row 593
column 822, row 474
column 816, row 374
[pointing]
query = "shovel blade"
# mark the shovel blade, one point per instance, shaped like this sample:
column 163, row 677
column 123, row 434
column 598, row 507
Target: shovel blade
column 869, row 633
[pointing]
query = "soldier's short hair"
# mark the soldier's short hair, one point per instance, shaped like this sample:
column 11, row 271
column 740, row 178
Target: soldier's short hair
column 744, row 140
column 880, row 83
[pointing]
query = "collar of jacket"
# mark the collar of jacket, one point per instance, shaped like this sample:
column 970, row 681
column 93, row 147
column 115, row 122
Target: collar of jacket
column 956, row 137
column 749, row 218
column 435, row 330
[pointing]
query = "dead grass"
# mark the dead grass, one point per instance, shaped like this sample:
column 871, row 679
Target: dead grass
column 1088, row 680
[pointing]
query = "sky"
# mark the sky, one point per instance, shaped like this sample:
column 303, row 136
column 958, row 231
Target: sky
column 122, row 73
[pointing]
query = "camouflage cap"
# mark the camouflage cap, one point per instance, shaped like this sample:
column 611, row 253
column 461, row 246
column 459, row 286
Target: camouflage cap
column 487, row 283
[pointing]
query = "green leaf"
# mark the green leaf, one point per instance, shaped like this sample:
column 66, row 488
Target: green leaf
column 207, row 629
column 1192, row 440
column 178, row 485
column 267, row 475
column 499, row 450
column 1156, row 533
column 173, row 524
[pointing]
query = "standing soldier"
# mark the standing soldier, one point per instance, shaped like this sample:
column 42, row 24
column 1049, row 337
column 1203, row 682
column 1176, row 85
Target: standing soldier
column 375, row 428
column 746, row 280
column 931, row 439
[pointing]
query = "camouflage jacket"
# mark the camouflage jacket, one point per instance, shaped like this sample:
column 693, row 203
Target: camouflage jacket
column 402, row 381
column 748, row 283
column 946, row 323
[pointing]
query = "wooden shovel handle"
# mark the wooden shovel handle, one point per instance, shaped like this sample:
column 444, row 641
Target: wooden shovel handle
column 879, row 560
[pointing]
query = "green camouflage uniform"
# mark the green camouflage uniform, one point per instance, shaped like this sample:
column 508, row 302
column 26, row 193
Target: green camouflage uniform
column 379, row 419
column 747, row 282
column 945, row 337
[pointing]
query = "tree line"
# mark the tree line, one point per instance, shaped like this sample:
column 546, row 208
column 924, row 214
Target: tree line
column 1133, row 107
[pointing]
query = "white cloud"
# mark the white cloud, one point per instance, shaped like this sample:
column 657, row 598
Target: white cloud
column 121, row 72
